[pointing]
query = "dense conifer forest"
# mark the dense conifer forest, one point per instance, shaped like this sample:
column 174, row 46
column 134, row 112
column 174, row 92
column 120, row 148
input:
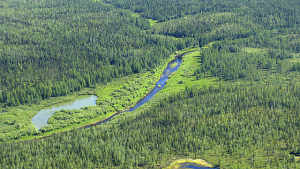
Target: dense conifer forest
column 53, row 48
column 226, row 121
column 239, row 108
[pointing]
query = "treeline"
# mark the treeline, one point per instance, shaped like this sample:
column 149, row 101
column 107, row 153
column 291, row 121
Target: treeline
column 265, row 12
column 260, row 21
column 173, row 9
column 53, row 48
column 251, row 123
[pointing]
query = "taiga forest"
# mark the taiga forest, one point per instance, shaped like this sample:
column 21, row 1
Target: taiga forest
column 232, row 98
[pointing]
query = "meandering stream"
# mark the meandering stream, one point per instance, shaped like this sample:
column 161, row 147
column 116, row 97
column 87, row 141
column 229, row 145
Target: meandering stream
column 172, row 67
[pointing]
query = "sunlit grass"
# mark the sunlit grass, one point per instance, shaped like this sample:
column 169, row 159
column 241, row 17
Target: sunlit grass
column 254, row 50
column 152, row 22
column 185, row 75
column 182, row 78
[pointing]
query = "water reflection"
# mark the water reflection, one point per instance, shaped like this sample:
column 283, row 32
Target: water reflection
column 158, row 87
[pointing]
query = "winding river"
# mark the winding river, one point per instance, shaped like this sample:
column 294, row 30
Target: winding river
column 42, row 117
column 172, row 67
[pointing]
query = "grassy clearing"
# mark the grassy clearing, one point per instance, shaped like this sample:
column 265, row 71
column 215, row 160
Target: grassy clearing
column 152, row 22
column 158, row 26
column 254, row 50
column 294, row 60
column 185, row 75
column 135, row 15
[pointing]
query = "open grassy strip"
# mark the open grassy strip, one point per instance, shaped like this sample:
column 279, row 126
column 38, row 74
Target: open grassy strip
column 152, row 22
column 182, row 78
column 179, row 80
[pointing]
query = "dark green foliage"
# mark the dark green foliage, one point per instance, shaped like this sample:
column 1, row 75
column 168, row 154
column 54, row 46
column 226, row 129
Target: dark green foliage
column 220, row 20
column 228, row 116
column 53, row 48
column 250, row 118
column 162, row 10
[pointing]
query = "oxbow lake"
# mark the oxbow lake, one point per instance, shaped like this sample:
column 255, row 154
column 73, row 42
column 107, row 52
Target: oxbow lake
column 41, row 118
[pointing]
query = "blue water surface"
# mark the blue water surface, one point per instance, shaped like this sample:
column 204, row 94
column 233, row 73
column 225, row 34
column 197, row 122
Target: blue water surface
column 194, row 166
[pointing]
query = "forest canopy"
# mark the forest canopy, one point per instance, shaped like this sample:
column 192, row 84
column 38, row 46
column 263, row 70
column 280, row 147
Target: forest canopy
column 53, row 48
column 239, row 108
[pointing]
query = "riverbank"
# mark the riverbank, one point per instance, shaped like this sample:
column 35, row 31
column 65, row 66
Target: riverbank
column 157, row 87
column 184, row 77
column 178, row 81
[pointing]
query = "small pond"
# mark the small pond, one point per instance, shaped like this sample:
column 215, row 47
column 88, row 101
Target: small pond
column 41, row 118
column 194, row 166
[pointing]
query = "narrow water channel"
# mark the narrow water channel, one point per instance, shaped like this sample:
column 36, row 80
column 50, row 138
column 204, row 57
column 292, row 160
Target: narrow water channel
column 41, row 118
column 161, row 83
column 172, row 67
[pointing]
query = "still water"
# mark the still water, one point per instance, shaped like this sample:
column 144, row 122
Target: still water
column 194, row 166
column 161, row 83
column 41, row 118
